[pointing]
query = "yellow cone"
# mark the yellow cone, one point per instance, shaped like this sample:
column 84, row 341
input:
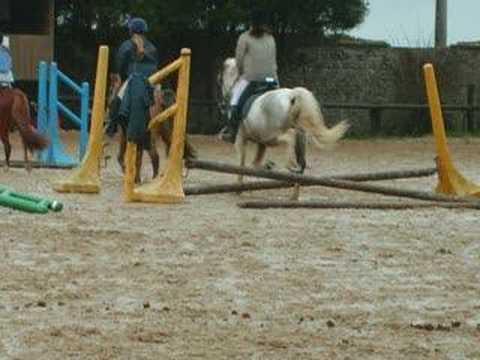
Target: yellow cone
column 450, row 180
column 86, row 178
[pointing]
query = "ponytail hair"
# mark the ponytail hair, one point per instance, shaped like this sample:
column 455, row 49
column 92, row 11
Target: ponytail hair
column 139, row 42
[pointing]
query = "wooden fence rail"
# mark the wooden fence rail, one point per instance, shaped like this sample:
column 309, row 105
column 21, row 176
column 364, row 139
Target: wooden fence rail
column 376, row 109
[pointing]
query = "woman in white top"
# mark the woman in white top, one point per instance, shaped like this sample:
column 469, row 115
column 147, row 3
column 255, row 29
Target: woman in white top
column 256, row 59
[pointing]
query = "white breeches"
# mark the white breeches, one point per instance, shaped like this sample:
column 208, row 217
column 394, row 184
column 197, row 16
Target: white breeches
column 237, row 90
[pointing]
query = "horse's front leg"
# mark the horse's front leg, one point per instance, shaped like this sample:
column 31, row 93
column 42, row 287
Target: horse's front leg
column 259, row 156
column 121, row 150
column 240, row 147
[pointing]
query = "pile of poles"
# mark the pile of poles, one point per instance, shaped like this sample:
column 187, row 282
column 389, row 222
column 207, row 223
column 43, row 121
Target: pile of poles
column 354, row 182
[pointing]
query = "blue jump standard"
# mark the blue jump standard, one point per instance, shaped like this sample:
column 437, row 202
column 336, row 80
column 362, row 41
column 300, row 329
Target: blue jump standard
column 48, row 110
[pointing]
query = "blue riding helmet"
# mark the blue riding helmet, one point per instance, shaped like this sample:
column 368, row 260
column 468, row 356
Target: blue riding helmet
column 138, row 25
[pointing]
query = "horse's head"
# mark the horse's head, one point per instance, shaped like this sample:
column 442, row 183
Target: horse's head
column 228, row 76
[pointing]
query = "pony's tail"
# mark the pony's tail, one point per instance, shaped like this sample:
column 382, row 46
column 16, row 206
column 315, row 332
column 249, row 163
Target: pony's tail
column 21, row 115
column 305, row 112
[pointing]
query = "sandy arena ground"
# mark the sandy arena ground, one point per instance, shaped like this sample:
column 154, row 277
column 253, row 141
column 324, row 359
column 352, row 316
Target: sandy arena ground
column 206, row 280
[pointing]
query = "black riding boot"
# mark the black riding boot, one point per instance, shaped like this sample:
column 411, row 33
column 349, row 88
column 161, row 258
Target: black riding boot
column 112, row 123
column 232, row 125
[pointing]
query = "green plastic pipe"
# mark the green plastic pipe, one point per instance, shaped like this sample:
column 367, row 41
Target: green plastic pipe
column 27, row 202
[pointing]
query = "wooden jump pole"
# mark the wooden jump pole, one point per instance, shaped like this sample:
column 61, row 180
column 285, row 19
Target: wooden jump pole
column 268, row 185
column 36, row 165
column 327, row 182
column 356, row 205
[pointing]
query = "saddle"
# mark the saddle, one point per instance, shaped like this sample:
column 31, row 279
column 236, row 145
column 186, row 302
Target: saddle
column 254, row 90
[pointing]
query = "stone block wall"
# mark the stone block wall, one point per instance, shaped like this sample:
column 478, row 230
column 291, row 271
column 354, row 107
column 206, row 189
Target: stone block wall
column 362, row 74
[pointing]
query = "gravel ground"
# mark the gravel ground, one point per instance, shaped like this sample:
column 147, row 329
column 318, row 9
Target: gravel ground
column 206, row 280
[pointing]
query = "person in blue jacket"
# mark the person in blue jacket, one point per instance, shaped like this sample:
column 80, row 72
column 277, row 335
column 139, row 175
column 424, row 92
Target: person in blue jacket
column 6, row 73
column 135, row 61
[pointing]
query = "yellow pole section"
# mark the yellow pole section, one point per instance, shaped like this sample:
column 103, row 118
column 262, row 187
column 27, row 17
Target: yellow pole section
column 86, row 178
column 450, row 180
column 436, row 113
column 167, row 70
column 164, row 115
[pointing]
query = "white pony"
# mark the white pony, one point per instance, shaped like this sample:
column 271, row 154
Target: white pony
column 277, row 116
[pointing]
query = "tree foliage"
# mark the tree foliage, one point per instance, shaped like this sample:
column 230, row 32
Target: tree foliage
column 104, row 18
column 83, row 25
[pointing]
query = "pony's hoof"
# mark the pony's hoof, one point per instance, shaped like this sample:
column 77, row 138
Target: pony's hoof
column 6, row 168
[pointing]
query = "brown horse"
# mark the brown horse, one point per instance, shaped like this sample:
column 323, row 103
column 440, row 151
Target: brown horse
column 164, row 132
column 15, row 112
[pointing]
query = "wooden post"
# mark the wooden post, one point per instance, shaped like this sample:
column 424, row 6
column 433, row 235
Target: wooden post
column 441, row 24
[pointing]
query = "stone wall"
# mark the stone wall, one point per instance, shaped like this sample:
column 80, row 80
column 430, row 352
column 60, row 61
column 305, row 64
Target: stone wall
column 347, row 74
column 384, row 75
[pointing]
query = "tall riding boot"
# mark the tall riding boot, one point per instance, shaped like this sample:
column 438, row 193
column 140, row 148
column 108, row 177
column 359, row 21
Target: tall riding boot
column 112, row 123
column 232, row 125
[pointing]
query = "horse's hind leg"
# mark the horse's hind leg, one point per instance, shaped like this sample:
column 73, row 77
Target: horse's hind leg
column 296, row 148
column 8, row 150
column 300, row 150
column 28, row 166
column 154, row 157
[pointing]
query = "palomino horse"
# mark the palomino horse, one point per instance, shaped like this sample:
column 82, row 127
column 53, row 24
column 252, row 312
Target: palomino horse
column 164, row 131
column 276, row 116
column 15, row 112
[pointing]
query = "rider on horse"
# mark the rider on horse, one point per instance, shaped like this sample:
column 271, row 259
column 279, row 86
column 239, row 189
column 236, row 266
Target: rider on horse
column 136, row 60
column 256, row 58
column 6, row 74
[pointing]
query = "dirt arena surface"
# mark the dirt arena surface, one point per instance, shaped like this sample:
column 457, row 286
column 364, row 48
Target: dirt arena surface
column 206, row 280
